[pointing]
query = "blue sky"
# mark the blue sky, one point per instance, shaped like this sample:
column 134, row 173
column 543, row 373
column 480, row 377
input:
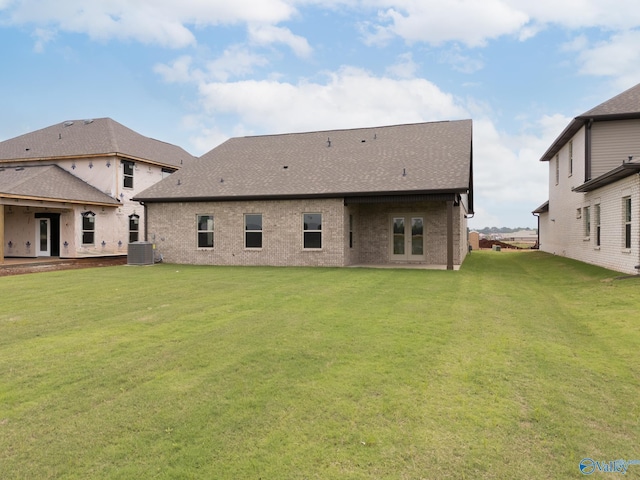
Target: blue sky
column 197, row 72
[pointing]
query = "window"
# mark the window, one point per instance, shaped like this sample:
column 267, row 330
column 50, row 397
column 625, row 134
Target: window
column 127, row 172
column 570, row 157
column 205, row 231
column 253, row 230
column 627, row 222
column 134, row 228
column 587, row 221
column 596, row 219
column 88, row 228
column 350, row 231
column 557, row 169
column 312, row 230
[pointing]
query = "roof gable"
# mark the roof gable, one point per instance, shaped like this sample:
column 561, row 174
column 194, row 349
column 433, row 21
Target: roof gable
column 623, row 106
column 424, row 157
column 83, row 138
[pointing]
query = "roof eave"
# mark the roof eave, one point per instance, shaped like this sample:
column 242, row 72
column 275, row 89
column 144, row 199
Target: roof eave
column 542, row 208
column 576, row 124
column 623, row 171
column 228, row 198
column 60, row 200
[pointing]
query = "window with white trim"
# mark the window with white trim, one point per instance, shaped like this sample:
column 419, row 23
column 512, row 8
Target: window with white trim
column 596, row 221
column 627, row 222
column 134, row 228
column 587, row 221
column 570, row 157
column 205, row 231
column 88, row 228
column 312, row 230
column 127, row 173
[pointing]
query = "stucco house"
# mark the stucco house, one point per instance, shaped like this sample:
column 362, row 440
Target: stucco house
column 387, row 195
column 66, row 190
column 592, row 214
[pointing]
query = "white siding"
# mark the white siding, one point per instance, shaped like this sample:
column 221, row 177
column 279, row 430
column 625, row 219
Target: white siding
column 562, row 229
column 612, row 144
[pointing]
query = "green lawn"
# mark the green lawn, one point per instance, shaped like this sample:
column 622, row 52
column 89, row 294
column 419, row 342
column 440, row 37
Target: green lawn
column 517, row 366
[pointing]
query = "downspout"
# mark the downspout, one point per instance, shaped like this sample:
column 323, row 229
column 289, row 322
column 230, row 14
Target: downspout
column 637, row 267
column 1, row 233
column 449, row 234
column 538, row 217
column 144, row 209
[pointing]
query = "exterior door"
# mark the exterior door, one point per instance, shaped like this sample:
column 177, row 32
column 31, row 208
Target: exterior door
column 44, row 237
column 407, row 238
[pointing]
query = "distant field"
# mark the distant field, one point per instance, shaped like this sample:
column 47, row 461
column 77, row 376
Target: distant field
column 519, row 365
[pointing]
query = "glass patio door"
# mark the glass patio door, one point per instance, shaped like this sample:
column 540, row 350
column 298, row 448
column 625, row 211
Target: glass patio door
column 407, row 238
column 44, row 237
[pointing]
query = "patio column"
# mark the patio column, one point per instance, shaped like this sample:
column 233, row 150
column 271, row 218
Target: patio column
column 449, row 235
column 1, row 233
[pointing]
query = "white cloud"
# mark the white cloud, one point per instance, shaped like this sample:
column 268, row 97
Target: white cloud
column 236, row 61
column 460, row 62
column 474, row 23
column 161, row 22
column 175, row 24
column 508, row 176
column 437, row 22
column 405, row 67
column 42, row 36
column 350, row 97
column 179, row 71
column 618, row 58
column 269, row 34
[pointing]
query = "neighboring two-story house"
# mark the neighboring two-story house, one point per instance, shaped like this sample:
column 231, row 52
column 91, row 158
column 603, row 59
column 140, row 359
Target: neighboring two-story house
column 388, row 195
column 592, row 214
column 66, row 190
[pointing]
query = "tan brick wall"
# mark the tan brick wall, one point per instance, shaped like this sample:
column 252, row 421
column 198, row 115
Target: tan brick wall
column 172, row 227
column 373, row 230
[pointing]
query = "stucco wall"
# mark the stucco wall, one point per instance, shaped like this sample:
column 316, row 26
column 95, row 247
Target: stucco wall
column 111, row 223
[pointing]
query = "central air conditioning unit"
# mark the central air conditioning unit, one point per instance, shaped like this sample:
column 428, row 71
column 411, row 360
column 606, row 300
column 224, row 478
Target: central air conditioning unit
column 140, row 253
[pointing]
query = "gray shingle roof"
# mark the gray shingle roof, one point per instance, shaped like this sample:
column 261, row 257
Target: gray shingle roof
column 49, row 182
column 624, row 103
column 623, row 106
column 423, row 157
column 79, row 138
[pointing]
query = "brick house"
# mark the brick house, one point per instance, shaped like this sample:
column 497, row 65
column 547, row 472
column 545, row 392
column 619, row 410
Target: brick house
column 388, row 195
column 592, row 214
column 66, row 190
